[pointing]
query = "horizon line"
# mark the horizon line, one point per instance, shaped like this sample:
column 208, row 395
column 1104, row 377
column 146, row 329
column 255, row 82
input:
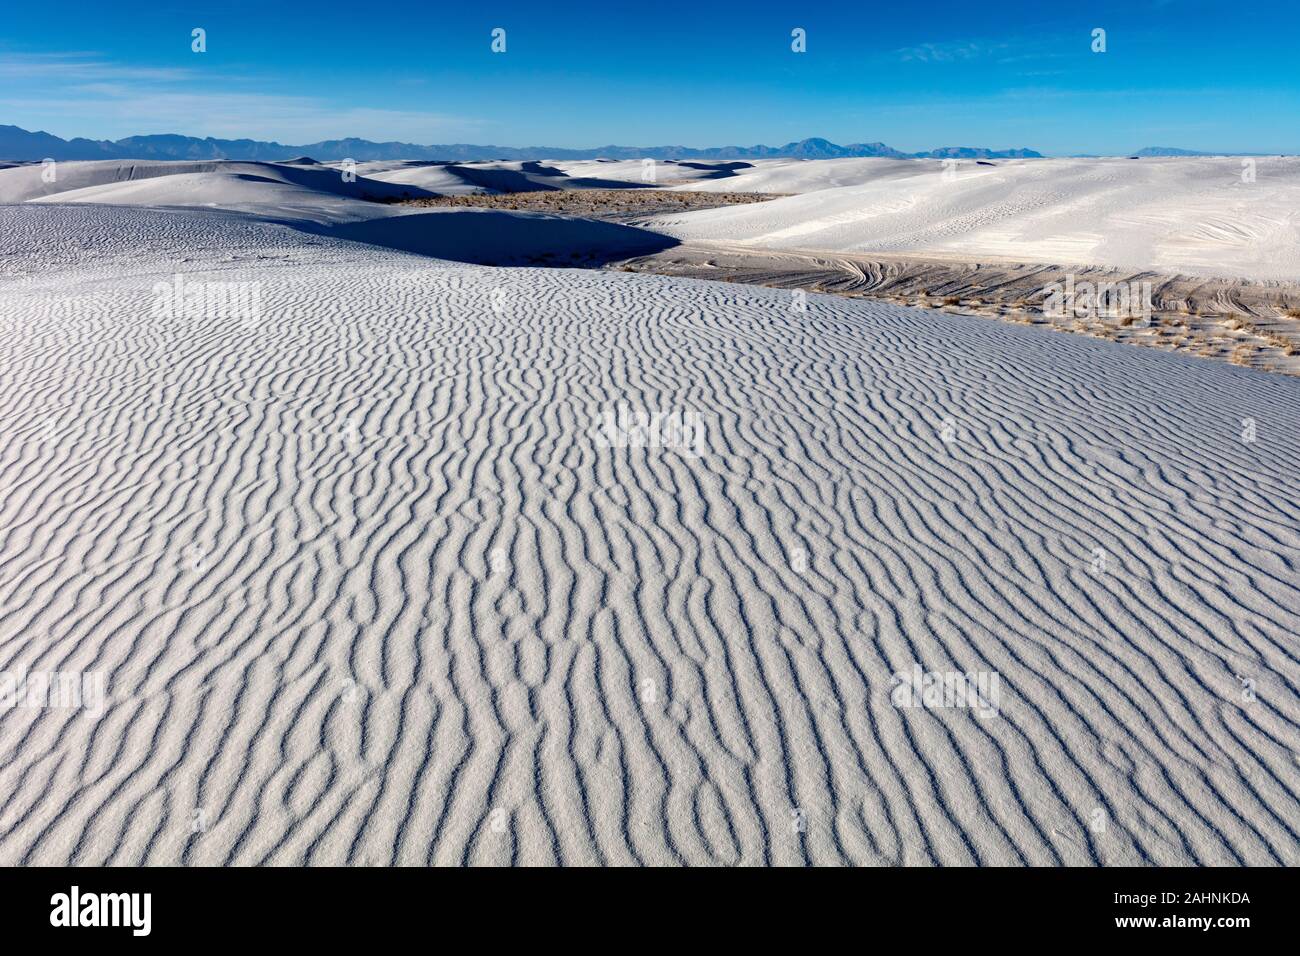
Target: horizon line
column 909, row 154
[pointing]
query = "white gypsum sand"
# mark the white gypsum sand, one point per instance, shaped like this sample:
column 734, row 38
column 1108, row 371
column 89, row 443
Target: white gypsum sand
column 1200, row 216
column 366, row 583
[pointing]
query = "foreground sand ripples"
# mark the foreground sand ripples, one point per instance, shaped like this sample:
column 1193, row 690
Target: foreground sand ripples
column 366, row 584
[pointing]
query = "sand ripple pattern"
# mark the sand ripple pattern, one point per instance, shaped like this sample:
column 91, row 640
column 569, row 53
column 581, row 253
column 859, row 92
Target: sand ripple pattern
column 366, row 586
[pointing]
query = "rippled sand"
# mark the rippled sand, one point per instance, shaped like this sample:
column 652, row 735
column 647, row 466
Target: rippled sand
column 367, row 582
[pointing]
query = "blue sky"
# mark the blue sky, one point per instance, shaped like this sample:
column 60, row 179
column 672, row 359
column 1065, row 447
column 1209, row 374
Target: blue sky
column 1200, row 74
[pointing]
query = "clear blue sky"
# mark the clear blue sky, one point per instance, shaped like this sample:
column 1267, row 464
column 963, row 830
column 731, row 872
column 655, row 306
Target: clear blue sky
column 1200, row 74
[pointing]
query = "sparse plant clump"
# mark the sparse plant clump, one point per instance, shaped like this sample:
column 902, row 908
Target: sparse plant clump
column 1207, row 317
column 594, row 203
column 1281, row 343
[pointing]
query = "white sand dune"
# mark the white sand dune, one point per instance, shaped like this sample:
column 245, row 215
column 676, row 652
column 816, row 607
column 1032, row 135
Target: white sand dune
column 797, row 176
column 270, row 190
column 229, row 191
column 366, row 585
column 26, row 183
column 1196, row 216
column 320, row 200
column 1181, row 215
column 441, row 178
column 302, row 189
column 457, row 179
column 681, row 174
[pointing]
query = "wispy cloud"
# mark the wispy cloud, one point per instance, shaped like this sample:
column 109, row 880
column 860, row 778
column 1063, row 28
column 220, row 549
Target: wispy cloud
column 951, row 51
column 72, row 67
column 71, row 93
column 1006, row 51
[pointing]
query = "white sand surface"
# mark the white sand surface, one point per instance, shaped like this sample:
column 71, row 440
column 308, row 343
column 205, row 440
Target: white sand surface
column 267, row 198
column 440, row 178
column 310, row 193
column 366, row 584
column 455, row 179
column 1194, row 215
column 292, row 189
column 796, row 176
column 34, row 181
column 318, row 199
column 682, row 174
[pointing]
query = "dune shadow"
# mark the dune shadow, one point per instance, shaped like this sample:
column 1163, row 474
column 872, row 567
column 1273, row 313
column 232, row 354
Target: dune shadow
column 534, row 179
column 718, row 170
column 534, row 176
column 492, row 237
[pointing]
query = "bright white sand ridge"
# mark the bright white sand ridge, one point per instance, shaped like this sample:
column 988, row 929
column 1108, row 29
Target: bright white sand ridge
column 1205, row 216
column 366, row 585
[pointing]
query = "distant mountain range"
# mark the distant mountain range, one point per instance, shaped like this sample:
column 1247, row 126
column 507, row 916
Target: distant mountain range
column 21, row 145
column 1167, row 151
column 1175, row 151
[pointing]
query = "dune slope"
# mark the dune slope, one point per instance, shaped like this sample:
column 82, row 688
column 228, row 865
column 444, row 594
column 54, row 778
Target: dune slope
column 1200, row 216
column 367, row 583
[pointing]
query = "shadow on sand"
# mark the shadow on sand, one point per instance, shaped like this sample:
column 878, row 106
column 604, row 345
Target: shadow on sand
column 491, row 237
